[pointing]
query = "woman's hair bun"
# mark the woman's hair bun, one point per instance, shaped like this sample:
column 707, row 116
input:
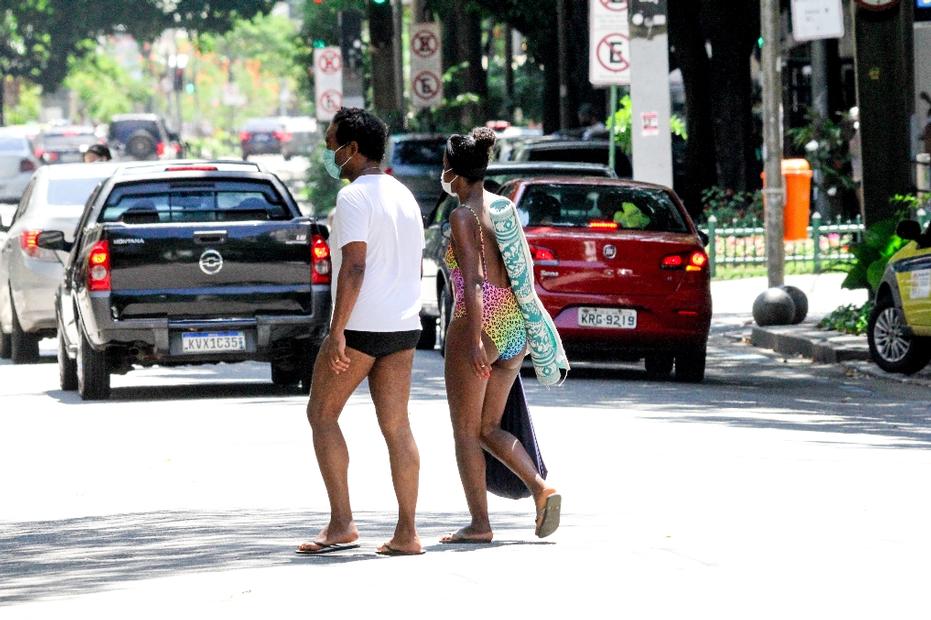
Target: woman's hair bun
column 484, row 137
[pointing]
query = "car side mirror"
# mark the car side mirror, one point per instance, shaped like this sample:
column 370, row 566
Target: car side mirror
column 53, row 240
column 910, row 230
column 704, row 238
column 3, row 225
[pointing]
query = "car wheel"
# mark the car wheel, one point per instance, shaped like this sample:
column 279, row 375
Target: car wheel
column 308, row 358
column 93, row 372
column 285, row 373
column 67, row 368
column 427, row 333
column 658, row 365
column 446, row 315
column 690, row 365
column 5, row 345
column 24, row 347
column 892, row 347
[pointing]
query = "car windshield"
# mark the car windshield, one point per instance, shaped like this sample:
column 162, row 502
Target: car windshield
column 418, row 152
column 608, row 207
column 193, row 206
column 62, row 141
column 122, row 130
column 71, row 191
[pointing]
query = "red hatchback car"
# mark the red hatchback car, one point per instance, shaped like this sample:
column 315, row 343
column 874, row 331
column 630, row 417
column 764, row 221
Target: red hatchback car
column 619, row 265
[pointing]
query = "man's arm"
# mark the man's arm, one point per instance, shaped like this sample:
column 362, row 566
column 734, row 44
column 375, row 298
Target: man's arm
column 348, row 284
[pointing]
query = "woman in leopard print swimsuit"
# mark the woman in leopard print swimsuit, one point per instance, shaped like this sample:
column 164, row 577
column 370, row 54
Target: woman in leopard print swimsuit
column 486, row 341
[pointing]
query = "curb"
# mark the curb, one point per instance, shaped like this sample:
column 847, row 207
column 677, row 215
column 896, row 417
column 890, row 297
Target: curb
column 806, row 340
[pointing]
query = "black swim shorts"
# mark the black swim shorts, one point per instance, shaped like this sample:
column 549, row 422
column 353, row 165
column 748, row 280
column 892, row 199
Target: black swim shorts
column 380, row 344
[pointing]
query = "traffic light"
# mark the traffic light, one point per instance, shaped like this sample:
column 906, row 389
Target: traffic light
column 381, row 23
column 319, row 43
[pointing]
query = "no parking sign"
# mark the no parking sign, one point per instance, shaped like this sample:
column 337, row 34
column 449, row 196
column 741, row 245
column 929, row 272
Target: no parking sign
column 609, row 43
column 328, row 82
column 426, row 65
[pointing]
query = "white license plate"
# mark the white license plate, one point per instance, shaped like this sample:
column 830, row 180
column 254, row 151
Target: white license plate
column 613, row 318
column 213, row 342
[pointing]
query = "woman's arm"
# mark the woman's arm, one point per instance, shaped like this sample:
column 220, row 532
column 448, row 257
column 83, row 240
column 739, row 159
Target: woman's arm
column 465, row 239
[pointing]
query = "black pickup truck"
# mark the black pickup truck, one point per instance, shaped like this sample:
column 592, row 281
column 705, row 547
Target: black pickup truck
column 190, row 263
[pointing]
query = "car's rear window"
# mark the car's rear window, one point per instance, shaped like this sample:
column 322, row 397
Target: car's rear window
column 12, row 144
column 585, row 155
column 71, row 191
column 592, row 206
column 122, row 130
column 418, row 152
column 71, row 141
column 194, row 205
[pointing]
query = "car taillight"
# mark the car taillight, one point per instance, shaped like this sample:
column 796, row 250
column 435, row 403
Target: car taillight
column 695, row 261
column 603, row 224
column 27, row 165
column 542, row 255
column 98, row 267
column 282, row 136
column 244, row 136
column 320, row 265
column 28, row 241
column 389, row 170
column 160, row 149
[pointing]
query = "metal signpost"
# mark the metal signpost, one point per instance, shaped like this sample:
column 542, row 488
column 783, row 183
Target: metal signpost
column 773, row 196
column 328, row 82
column 609, row 52
column 426, row 65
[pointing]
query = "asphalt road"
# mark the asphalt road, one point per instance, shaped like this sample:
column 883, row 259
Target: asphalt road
column 773, row 489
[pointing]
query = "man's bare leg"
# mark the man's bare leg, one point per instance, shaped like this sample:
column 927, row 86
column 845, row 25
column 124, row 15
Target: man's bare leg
column 328, row 395
column 390, row 385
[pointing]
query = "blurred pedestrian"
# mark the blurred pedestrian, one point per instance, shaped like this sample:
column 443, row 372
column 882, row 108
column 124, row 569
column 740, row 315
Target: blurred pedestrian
column 377, row 242
column 97, row 152
column 591, row 127
column 486, row 341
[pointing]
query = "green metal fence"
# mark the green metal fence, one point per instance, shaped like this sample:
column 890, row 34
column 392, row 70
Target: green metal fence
column 827, row 245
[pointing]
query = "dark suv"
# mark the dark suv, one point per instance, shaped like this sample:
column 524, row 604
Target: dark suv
column 190, row 263
column 139, row 137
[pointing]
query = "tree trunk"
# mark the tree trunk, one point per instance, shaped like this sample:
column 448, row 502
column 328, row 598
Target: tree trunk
column 2, row 100
column 468, row 43
column 688, row 45
column 384, row 89
column 729, row 32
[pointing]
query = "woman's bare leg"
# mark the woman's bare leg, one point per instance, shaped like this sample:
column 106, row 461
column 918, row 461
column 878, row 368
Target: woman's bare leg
column 502, row 444
column 465, row 392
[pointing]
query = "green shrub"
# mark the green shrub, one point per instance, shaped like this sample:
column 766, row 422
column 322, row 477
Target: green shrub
column 850, row 319
column 732, row 208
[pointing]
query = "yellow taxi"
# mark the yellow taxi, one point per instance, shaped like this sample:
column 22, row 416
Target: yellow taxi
column 899, row 329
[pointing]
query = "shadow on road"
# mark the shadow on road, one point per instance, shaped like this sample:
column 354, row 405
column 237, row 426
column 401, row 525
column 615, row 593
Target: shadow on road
column 42, row 559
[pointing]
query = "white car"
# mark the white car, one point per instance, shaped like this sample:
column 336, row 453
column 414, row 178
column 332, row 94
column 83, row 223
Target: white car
column 17, row 164
column 29, row 275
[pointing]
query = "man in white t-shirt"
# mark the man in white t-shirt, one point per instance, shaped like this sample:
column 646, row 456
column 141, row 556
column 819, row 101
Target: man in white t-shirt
column 377, row 243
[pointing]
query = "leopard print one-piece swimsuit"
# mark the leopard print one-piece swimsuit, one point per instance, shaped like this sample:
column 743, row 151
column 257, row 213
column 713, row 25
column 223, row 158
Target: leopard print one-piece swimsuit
column 501, row 316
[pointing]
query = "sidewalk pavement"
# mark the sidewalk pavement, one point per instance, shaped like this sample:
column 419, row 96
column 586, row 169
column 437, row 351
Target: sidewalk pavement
column 733, row 303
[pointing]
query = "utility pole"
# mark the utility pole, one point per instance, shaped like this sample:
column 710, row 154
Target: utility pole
column 381, row 36
column 649, row 92
column 773, row 195
column 509, row 72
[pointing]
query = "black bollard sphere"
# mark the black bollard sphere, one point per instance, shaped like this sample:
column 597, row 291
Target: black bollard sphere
column 773, row 307
column 800, row 301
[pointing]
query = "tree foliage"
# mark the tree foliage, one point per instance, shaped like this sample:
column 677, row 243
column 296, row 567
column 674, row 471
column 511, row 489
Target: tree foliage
column 39, row 37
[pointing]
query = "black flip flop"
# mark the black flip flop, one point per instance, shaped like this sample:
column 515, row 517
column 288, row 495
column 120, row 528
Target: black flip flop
column 550, row 518
column 388, row 550
column 326, row 548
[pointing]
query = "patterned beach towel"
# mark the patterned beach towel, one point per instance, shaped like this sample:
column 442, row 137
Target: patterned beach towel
column 546, row 350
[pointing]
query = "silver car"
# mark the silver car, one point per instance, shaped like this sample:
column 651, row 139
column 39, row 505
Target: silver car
column 29, row 275
column 17, row 163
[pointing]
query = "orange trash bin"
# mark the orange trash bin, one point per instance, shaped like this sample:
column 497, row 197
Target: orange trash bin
column 796, row 174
